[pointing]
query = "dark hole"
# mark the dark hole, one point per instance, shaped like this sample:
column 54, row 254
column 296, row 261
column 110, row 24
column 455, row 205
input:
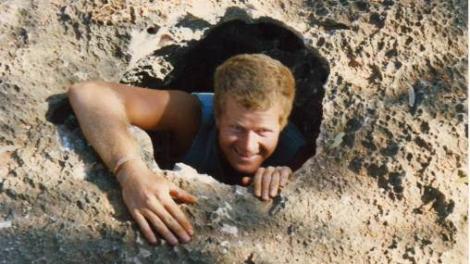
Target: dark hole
column 59, row 109
column 152, row 30
column 195, row 64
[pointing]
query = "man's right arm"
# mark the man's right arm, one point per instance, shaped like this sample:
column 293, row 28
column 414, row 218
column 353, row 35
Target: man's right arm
column 105, row 111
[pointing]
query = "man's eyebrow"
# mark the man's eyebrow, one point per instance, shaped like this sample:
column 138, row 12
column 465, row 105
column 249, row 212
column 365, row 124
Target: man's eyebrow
column 240, row 125
column 237, row 125
column 266, row 129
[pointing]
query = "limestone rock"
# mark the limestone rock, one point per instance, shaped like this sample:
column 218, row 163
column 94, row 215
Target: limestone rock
column 388, row 182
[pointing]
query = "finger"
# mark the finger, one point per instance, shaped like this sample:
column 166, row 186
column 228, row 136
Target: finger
column 274, row 186
column 286, row 172
column 266, row 182
column 161, row 228
column 144, row 227
column 168, row 220
column 178, row 214
column 258, row 178
column 246, row 181
column 182, row 195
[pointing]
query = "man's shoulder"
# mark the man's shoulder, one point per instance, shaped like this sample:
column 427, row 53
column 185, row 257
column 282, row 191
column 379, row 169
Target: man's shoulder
column 206, row 107
column 190, row 112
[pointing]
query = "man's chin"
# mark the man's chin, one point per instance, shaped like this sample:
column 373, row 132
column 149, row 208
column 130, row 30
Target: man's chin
column 245, row 168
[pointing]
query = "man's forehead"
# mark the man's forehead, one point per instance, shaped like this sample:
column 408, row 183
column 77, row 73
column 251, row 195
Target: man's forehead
column 238, row 114
column 241, row 106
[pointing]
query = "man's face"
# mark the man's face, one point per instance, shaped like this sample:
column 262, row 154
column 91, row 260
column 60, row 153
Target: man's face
column 248, row 137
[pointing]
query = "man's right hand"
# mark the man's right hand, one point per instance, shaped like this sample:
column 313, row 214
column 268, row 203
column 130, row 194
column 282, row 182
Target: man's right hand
column 149, row 198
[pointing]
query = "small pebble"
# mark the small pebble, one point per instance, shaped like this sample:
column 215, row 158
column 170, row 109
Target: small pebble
column 5, row 224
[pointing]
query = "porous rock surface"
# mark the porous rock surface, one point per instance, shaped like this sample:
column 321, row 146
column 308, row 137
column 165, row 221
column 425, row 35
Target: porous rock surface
column 388, row 182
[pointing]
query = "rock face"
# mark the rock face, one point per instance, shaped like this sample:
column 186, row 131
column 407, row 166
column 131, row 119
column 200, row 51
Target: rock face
column 388, row 182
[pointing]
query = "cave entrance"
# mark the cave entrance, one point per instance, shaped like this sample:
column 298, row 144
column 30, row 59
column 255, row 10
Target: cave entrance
column 195, row 64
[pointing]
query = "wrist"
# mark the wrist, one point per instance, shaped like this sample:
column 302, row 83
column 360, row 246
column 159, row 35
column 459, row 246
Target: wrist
column 131, row 169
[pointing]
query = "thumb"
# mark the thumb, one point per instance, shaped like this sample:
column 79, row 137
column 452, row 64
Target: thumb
column 182, row 195
column 247, row 181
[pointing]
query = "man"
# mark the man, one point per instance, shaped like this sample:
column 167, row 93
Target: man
column 234, row 135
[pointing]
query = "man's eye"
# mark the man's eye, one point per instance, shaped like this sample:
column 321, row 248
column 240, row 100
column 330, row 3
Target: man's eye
column 237, row 129
column 264, row 132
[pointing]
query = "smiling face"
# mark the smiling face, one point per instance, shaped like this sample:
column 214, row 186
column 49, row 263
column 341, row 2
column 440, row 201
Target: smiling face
column 248, row 137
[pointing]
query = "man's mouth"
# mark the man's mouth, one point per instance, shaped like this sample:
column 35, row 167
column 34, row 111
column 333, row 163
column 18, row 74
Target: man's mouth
column 244, row 156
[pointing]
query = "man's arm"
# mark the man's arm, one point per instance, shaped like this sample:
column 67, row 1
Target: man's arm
column 105, row 111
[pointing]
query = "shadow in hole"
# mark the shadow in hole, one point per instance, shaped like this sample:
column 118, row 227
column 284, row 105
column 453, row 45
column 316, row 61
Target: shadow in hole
column 194, row 66
column 59, row 109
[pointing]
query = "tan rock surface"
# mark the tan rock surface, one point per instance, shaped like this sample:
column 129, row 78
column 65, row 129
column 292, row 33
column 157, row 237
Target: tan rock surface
column 388, row 183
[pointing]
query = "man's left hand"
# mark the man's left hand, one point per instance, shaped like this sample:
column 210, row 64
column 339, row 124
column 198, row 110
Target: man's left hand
column 268, row 181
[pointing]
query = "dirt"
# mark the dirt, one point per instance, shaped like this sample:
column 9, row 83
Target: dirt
column 388, row 182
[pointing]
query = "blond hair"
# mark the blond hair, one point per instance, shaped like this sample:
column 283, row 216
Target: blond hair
column 256, row 82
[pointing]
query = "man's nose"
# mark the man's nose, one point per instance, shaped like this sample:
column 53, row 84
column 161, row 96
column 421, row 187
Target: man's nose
column 250, row 143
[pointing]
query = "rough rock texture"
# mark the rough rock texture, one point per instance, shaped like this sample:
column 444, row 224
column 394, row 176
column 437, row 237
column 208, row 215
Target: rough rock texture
column 388, row 183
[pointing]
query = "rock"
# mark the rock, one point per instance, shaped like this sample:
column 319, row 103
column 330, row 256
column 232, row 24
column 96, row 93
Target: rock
column 5, row 224
column 386, row 113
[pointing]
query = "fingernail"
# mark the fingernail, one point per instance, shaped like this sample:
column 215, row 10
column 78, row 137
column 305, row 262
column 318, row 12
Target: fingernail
column 186, row 238
column 173, row 242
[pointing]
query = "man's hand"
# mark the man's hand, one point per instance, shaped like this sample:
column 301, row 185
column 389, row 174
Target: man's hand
column 149, row 198
column 268, row 181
